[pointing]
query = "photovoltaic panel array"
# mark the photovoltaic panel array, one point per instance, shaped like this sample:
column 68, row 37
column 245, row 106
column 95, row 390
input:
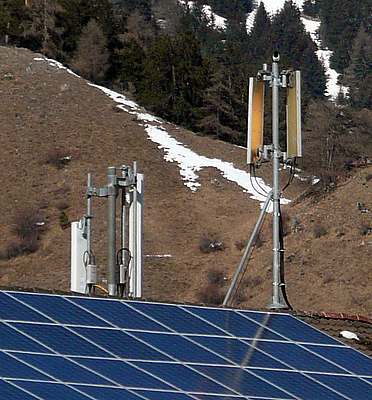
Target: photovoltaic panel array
column 78, row 348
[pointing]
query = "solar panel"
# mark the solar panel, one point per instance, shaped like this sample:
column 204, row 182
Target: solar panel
column 77, row 348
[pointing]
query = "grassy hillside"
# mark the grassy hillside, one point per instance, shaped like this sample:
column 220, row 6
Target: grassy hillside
column 47, row 114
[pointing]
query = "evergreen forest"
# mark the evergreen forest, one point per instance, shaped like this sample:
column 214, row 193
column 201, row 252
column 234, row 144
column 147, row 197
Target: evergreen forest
column 176, row 61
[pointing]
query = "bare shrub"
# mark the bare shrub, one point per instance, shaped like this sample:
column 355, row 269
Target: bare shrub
column 253, row 282
column 365, row 230
column 23, row 246
column 63, row 220
column 57, row 158
column 259, row 241
column 62, row 205
column 211, row 294
column 319, row 231
column 216, row 277
column 240, row 244
column 210, row 245
column 240, row 297
column 328, row 277
column 27, row 223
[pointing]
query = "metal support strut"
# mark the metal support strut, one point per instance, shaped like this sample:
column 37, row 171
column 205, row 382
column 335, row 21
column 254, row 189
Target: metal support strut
column 247, row 253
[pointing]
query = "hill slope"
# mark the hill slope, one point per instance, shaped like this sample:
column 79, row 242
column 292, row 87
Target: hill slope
column 46, row 109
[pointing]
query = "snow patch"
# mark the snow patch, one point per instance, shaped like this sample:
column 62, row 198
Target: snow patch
column 56, row 64
column 189, row 162
column 349, row 335
column 219, row 22
column 324, row 55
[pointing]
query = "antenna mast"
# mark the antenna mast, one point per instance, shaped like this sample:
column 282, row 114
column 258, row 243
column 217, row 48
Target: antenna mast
column 257, row 153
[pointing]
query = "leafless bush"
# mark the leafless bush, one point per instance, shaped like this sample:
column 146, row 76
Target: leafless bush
column 240, row 244
column 253, row 282
column 259, row 241
column 23, row 246
column 209, row 244
column 58, row 158
column 62, row 205
column 319, row 231
column 211, row 294
column 365, row 230
column 63, row 220
column 328, row 277
column 27, row 223
column 216, row 277
column 240, row 296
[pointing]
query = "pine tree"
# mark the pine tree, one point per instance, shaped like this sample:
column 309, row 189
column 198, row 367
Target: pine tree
column 13, row 16
column 260, row 38
column 311, row 8
column 217, row 113
column 341, row 20
column 297, row 50
column 359, row 74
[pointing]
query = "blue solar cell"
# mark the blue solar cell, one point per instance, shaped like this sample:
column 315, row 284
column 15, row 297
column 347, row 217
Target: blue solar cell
column 61, row 340
column 13, row 340
column 350, row 359
column 60, row 310
column 12, row 368
column 12, row 310
column 291, row 327
column 297, row 357
column 242, row 382
column 105, row 393
column 121, row 344
column 176, row 318
column 239, row 352
column 8, row 391
column 182, row 349
column 234, row 323
column 298, row 385
column 353, row 388
column 118, row 314
column 209, row 397
column 62, row 369
column 183, row 377
column 53, row 391
column 150, row 395
column 123, row 373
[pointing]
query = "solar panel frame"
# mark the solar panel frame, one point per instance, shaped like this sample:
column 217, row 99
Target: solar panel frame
column 256, row 317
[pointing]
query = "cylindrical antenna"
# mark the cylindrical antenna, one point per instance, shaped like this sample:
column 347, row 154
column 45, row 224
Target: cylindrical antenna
column 277, row 298
column 134, row 261
column 89, row 217
column 111, row 231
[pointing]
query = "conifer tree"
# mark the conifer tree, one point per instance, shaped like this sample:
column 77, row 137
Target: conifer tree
column 217, row 112
column 13, row 15
column 297, row 50
column 341, row 20
column 260, row 38
column 359, row 74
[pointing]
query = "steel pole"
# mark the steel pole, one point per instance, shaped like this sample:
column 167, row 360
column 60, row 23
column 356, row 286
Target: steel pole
column 247, row 252
column 277, row 298
column 111, row 231
column 89, row 219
